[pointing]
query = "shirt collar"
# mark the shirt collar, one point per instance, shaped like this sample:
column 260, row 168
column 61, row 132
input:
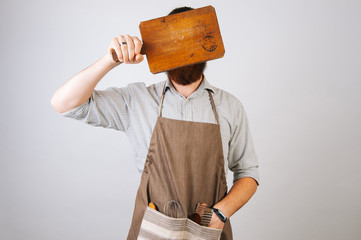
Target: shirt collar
column 203, row 86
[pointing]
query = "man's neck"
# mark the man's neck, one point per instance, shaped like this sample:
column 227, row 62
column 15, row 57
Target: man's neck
column 187, row 90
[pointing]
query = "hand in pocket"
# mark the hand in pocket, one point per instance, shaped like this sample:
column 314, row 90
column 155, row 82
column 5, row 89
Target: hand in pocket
column 216, row 222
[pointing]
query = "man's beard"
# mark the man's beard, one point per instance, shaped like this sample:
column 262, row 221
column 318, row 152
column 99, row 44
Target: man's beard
column 187, row 74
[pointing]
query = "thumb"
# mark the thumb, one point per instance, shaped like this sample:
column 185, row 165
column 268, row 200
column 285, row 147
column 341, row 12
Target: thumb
column 139, row 58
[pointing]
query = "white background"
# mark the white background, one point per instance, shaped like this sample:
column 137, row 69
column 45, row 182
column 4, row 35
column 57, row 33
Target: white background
column 295, row 66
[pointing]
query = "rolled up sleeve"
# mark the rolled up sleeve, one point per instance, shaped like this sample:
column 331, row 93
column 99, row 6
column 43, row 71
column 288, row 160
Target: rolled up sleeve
column 110, row 108
column 243, row 161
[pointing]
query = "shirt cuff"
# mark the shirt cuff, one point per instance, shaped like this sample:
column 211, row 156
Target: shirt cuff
column 76, row 112
column 250, row 172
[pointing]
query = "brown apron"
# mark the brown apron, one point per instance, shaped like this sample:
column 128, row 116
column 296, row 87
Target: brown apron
column 185, row 164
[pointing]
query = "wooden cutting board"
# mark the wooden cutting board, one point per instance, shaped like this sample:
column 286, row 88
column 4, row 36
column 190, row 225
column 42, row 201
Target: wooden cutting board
column 181, row 39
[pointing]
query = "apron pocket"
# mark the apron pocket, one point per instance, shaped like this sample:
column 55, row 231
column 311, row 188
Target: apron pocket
column 156, row 225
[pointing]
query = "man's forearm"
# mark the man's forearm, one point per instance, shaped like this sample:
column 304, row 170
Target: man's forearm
column 241, row 191
column 78, row 89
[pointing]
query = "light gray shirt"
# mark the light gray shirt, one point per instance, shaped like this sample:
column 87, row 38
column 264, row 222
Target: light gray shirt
column 134, row 110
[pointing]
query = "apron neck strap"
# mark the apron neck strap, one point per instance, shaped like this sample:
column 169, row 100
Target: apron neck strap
column 213, row 105
column 161, row 101
column 210, row 98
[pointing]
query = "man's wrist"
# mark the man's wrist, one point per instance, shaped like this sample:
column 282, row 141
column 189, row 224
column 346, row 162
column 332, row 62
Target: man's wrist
column 108, row 63
column 220, row 214
column 222, row 206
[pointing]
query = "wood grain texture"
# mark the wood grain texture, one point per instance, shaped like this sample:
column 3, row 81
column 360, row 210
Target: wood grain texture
column 181, row 39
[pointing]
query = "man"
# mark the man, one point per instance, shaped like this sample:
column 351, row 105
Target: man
column 194, row 132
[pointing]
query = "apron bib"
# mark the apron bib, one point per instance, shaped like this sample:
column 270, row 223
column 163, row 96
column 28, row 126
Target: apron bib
column 184, row 166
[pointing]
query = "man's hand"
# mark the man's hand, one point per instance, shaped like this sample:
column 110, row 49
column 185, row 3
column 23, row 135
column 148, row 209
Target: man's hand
column 216, row 222
column 125, row 49
column 241, row 191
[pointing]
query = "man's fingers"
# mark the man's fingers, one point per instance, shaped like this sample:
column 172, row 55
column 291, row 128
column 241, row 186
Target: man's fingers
column 138, row 45
column 124, row 47
column 139, row 58
column 130, row 45
column 115, row 45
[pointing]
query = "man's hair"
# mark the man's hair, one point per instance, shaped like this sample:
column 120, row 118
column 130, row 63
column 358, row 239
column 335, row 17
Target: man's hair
column 179, row 10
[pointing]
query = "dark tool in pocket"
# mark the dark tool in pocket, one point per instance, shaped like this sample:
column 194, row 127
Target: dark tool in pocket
column 203, row 214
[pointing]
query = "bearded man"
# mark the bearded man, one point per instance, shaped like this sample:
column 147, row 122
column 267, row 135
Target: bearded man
column 186, row 134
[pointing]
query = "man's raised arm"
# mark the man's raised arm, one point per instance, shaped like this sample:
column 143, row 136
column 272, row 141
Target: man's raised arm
column 79, row 88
